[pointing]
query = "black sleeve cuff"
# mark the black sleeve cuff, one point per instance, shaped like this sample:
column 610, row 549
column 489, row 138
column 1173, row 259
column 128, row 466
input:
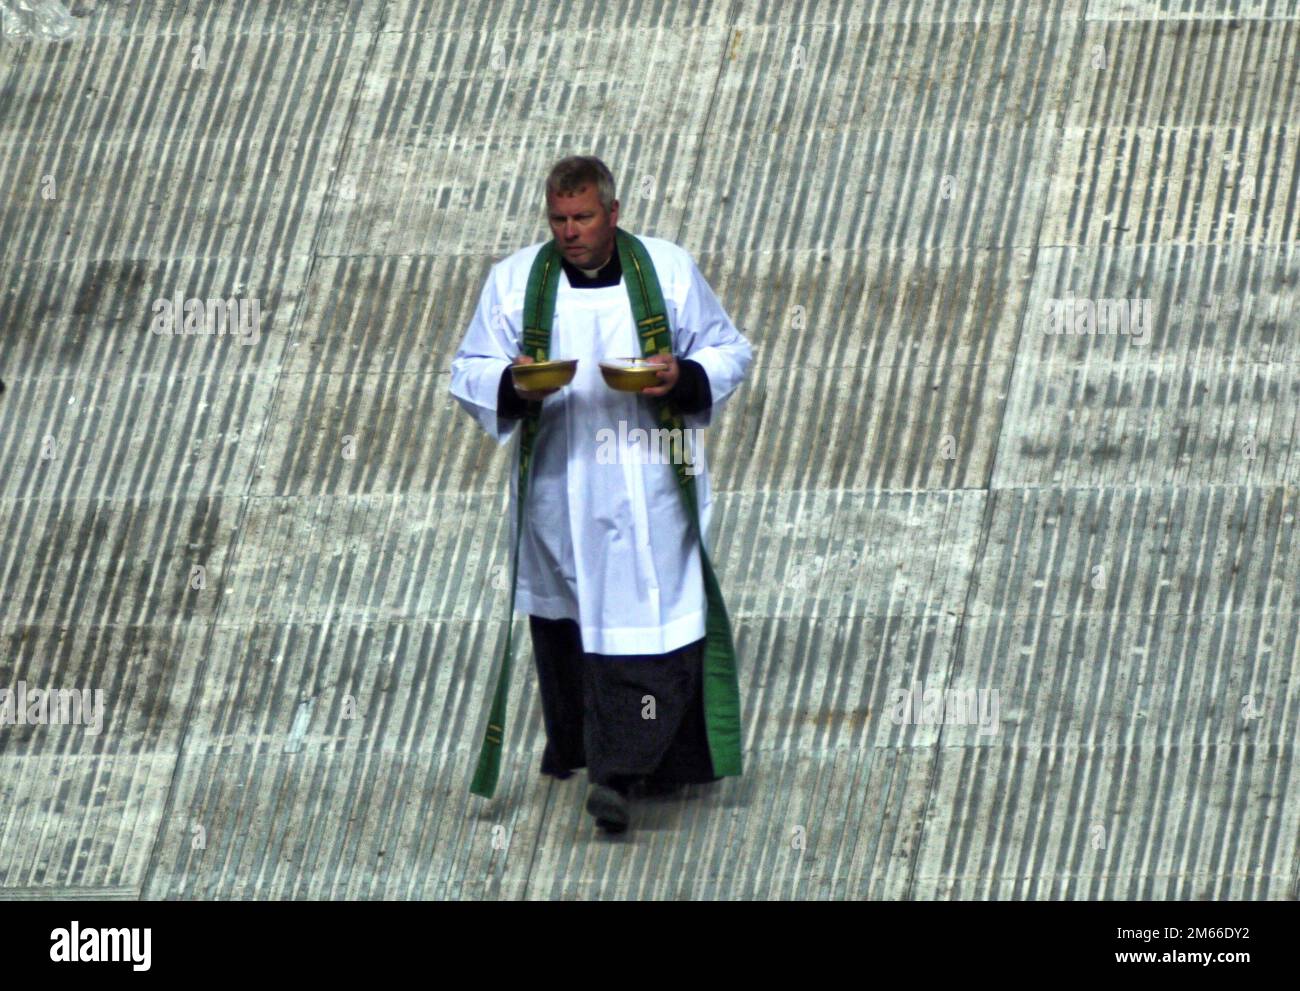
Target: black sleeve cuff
column 510, row 405
column 691, row 394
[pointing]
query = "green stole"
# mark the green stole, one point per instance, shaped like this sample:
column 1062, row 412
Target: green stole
column 721, row 687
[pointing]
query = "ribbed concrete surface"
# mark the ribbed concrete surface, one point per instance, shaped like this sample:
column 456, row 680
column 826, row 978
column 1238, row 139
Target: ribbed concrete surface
column 917, row 483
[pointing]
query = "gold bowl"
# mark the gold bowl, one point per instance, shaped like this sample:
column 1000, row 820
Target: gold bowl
column 630, row 374
column 544, row 374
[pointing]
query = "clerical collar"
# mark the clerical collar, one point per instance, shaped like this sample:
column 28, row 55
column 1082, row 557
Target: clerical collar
column 610, row 274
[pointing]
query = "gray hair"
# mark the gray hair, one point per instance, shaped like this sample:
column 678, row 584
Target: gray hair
column 568, row 175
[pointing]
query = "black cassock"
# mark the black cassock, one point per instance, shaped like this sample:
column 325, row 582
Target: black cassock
column 595, row 706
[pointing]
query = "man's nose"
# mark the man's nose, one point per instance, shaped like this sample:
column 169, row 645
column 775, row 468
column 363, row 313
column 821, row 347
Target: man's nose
column 570, row 230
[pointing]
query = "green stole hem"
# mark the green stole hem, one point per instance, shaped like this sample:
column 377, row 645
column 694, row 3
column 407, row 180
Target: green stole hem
column 721, row 684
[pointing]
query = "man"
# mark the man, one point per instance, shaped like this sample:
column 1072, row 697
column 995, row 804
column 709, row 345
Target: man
column 630, row 636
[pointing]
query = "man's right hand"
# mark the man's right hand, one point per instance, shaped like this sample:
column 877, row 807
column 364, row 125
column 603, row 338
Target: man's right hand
column 533, row 395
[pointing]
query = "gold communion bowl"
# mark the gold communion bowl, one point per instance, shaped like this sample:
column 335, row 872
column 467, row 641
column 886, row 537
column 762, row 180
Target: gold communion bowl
column 544, row 374
column 630, row 374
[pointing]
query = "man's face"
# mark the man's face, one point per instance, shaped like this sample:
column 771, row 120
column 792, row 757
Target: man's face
column 583, row 231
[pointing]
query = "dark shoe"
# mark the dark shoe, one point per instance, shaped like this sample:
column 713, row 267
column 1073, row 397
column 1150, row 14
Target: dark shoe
column 609, row 808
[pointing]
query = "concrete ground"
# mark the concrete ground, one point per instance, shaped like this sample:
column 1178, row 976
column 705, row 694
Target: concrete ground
column 281, row 559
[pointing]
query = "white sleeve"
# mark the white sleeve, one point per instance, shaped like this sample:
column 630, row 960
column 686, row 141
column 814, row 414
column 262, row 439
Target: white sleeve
column 488, row 348
column 705, row 334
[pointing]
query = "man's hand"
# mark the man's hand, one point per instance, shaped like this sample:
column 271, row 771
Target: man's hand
column 533, row 395
column 667, row 375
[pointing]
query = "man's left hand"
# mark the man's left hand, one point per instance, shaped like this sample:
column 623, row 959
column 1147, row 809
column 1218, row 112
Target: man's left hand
column 667, row 375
